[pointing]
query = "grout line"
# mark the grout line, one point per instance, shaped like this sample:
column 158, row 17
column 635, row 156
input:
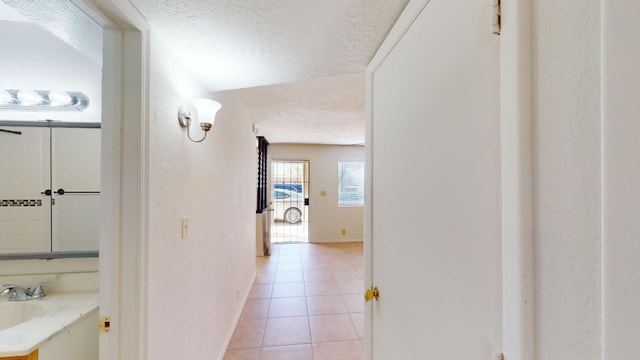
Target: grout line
column 309, row 322
column 264, row 330
column 317, row 257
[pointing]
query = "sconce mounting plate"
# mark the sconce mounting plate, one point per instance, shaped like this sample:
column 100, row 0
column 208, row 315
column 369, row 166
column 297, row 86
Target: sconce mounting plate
column 184, row 116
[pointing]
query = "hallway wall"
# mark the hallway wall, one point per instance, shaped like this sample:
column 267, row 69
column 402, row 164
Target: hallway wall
column 197, row 285
column 621, row 176
column 566, row 167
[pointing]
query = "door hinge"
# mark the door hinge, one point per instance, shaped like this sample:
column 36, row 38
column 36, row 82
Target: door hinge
column 370, row 294
column 104, row 325
column 496, row 17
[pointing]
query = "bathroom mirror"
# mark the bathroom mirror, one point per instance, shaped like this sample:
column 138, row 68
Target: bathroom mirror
column 49, row 172
column 49, row 189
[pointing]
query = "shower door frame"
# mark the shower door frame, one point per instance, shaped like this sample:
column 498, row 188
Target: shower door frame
column 50, row 124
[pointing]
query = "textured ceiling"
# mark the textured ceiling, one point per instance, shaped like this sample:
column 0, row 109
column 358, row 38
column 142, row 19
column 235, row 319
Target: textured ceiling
column 233, row 44
column 329, row 110
column 316, row 50
column 299, row 64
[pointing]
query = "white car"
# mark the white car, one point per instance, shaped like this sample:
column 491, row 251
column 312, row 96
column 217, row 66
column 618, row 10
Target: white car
column 287, row 205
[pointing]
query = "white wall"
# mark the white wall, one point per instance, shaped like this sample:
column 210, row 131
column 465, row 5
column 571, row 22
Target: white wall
column 566, row 167
column 197, row 285
column 40, row 61
column 70, row 274
column 621, row 179
column 326, row 218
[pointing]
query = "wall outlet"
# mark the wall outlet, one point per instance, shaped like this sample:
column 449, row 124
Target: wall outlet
column 185, row 227
column 343, row 231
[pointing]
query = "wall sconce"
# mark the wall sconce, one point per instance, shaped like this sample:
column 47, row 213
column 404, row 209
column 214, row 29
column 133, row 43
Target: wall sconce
column 42, row 100
column 206, row 110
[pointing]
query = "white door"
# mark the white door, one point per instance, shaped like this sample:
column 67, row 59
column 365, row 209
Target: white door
column 434, row 200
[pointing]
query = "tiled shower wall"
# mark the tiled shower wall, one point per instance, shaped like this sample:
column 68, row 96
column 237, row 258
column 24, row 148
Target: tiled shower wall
column 24, row 212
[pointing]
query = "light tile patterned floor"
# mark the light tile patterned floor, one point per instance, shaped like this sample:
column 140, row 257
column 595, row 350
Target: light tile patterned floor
column 306, row 304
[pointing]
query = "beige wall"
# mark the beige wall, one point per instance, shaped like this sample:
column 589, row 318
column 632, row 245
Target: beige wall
column 620, row 177
column 566, row 167
column 326, row 218
column 196, row 285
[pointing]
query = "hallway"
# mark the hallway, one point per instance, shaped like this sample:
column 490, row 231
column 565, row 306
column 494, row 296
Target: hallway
column 306, row 304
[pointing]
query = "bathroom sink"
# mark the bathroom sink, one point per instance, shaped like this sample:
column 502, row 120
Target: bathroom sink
column 35, row 324
column 16, row 312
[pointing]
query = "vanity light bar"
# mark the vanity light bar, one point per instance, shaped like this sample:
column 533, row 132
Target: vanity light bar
column 39, row 100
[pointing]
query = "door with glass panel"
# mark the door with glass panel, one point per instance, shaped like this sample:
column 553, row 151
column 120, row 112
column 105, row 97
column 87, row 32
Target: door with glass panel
column 290, row 201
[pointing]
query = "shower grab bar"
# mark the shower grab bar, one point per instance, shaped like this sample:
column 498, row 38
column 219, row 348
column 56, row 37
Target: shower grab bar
column 63, row 191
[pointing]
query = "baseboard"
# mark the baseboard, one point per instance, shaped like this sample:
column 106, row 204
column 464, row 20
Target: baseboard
column 338, row 240
column 237, row 318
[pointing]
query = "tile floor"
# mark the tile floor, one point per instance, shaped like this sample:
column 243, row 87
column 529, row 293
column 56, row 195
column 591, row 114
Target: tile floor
column 306, row 304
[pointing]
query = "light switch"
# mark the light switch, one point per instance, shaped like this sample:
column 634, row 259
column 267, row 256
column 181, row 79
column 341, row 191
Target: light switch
column 185, row 227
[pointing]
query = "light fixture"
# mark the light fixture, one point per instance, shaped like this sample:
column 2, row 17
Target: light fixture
column 42, row 100
column 5, row 97
column 206, row 109
column 29, row 97
column 59, row 98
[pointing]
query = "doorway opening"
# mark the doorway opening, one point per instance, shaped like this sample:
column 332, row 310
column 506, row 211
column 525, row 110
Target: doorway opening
column 290, row 201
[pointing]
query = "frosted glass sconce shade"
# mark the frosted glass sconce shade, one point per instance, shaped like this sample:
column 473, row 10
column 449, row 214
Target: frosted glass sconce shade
column 206, row 110
column 42, row 100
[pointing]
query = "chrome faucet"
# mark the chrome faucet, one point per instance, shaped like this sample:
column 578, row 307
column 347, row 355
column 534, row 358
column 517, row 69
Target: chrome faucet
column 17, row 293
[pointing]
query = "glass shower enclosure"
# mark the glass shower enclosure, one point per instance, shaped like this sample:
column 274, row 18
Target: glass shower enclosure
column 49, row 189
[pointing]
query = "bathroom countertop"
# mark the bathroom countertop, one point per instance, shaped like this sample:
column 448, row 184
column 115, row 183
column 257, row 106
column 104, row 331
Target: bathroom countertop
column 62, row 311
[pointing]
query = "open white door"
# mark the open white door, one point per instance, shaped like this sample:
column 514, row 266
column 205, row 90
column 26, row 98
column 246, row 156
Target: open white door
column 433, row 217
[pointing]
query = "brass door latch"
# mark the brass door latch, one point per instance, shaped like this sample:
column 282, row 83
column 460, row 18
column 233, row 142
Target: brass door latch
column 104, row 325
column 371, row 294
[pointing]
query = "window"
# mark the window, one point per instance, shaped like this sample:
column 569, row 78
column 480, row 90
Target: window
column 350, row 183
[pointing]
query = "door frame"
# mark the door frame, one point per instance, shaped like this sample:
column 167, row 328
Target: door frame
column 124, row 177
column 516, row 173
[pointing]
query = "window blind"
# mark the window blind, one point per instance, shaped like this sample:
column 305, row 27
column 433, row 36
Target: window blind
column 350, row 183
